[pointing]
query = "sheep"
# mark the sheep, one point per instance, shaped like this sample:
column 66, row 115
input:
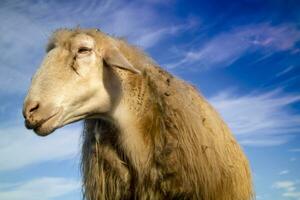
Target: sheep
column 147, row 134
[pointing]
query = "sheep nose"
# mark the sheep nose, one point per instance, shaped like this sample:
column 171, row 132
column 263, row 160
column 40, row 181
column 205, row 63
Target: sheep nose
column 30, row 108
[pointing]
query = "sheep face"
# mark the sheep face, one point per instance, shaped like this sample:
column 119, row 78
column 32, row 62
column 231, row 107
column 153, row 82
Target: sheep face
column 69, row 85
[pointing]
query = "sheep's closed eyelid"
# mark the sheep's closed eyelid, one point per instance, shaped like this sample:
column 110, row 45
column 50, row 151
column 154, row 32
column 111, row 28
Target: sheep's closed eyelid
column 83, row 50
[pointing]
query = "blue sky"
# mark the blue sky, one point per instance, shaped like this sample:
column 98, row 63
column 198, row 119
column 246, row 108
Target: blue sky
column 244, row 56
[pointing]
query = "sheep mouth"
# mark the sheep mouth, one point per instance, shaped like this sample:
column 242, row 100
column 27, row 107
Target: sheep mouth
column 48, row 125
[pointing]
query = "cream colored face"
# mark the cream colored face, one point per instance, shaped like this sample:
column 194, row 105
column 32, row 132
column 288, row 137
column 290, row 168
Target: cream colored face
column 67, row 87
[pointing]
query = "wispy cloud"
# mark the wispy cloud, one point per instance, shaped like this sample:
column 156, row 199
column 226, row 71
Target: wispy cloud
column 36, row 189
column 16, row 141
column 261, row 119
column 263, row 140
column 288, row 188
column 225, row 48
column 283, row 172
column 286, row 70
column 287, row 185
column 295, row 150
column 295, row 195
column 151, row 38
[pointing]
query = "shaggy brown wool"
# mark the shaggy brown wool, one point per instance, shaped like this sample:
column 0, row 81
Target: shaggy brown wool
column 188, row 151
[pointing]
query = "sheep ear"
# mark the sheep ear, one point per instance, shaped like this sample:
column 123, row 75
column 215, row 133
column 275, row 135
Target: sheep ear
column 113, row 57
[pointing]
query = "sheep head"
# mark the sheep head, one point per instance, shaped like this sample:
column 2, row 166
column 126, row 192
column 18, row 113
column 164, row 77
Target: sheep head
column 70, row 84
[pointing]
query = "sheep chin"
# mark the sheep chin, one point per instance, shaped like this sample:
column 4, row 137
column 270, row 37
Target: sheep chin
column 44, row 131
column 50, row 125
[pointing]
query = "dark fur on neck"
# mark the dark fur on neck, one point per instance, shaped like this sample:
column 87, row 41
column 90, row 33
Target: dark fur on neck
column 104, row 168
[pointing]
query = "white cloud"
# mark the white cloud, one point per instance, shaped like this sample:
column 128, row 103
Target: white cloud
column 295, row 150
column 36, row 189
column 20, row 147
column 292, row 194
column 151, row 38
column 283, row 172
column 259, row 119
column 263, row 196
column 288, row 185
column 286, row 70
column 264, row 141
column 227, row 47
column 288, row 188
column 18, row 50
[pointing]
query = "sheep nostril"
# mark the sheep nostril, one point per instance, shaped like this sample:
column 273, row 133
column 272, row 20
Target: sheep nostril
column 30, row 108
column 34, row 107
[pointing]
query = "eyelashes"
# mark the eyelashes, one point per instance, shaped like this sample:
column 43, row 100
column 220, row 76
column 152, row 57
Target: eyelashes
column 84, row 50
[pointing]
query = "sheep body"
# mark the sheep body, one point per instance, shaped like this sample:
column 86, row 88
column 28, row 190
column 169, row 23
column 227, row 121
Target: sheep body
column 158, row 137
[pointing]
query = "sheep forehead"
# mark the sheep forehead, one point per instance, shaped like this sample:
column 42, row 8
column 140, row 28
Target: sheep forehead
column 83, row 39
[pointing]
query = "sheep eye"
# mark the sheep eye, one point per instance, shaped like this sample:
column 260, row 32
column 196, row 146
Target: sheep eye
column 84, row 50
